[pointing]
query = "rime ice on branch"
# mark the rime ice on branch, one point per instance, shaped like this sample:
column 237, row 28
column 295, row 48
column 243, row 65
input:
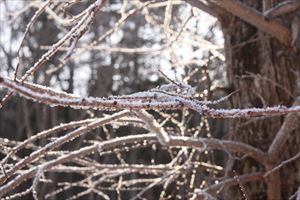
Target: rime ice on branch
column 153, row 99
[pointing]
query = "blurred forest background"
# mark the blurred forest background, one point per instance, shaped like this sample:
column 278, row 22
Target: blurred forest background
column 125, row 59
column 139, row 45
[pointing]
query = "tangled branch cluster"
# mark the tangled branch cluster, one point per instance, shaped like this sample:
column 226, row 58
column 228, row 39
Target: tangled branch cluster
column 159, row 115
column 49, row 159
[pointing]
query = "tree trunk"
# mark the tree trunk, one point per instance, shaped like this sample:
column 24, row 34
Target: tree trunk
column 265, row 73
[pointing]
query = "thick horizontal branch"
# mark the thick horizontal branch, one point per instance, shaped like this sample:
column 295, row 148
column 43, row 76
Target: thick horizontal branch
column 156, row 100
column 255, row 18
column 216, row 144
column 57, row 98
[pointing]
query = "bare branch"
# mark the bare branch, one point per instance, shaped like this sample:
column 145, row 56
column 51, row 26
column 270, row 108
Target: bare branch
column 28, row 26
column 60, row 141
column 282, row 8
column 153, row 126
column 290, row 123
column 256, row 19
column 174, row 141
column 258, row 176
column 156, row 100
column 44, row 134
column 77, row 31
column 281, row 164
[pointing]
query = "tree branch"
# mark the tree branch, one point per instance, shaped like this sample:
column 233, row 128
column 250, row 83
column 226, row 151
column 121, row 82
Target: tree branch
column 153, row 126
column 232, row 181
column 60, row 141
column 282, row 8
column 206, row 7
column 253, row 17
column 290, row 123
column 156, row 100
column 182, row 141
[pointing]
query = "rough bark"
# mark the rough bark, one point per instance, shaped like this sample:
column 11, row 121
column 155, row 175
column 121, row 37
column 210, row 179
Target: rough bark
column 265, row 72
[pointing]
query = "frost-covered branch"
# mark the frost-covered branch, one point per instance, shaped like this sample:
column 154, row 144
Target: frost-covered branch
column 156, row 100
column 60, row 141
column 45, row 134
column 76, row 32
column 153, row 126
column 162, row 139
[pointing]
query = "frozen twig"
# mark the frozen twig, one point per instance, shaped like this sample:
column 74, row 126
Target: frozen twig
column 28, row 26
column 36, row 180
column 60, row 141
column 153, row 126
column 77, row 31
column 204, row 195
column 44, row 134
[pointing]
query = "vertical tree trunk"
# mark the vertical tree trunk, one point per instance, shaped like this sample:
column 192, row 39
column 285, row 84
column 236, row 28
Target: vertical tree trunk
column 265, row 73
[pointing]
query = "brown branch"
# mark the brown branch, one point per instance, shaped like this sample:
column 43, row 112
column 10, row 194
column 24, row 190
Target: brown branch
column 280, row 165
column 232, row 181
column 28, row 26
column 290, row 123
column 282, row 8
column 253, row 17
column 211, row 144
column 207, row 7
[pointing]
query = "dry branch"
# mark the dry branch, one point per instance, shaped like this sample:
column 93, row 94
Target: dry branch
column 127, row 140
column 290, row 123
column 282, row 8
column 45, row 134
column 76, row 32
column 153, row 126
column 272, row 27
column 60, row 141
column 28, row 26
column 185, row 150
column 230, row 182
column 156, row 100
